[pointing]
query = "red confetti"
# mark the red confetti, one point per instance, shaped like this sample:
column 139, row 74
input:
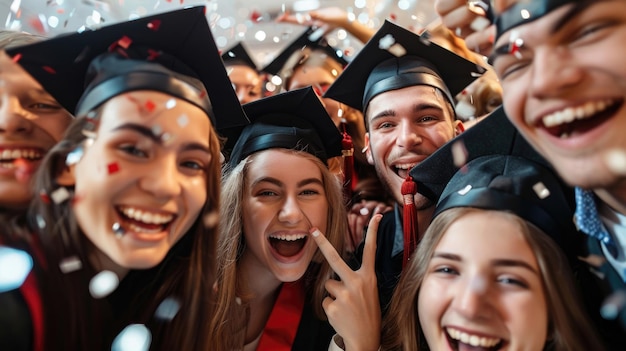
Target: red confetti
column 17, row 57
column 149, row 105
column 202, row 94
column 49, row 69
column 113, row 167
column 255, row 16
column 125, row 42
column 154, row 24
column 393, row 16
column 60, row 11
column 44, row 197
column 37, row 25
column 153, row 54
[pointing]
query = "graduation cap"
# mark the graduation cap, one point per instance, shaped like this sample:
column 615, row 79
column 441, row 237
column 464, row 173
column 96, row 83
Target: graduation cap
column 292, row 120
column 523, row 12
column 238, row 55
column 172, row 52
column 311, row 39
column 396, row 58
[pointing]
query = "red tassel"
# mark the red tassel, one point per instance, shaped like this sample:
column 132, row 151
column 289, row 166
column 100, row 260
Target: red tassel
column 409, row 218
column 349, row 175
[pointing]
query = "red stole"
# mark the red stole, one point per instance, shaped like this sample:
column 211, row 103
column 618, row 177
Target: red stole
column 282, row 326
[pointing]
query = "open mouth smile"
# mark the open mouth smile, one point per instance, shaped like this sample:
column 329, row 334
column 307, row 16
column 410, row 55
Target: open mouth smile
column 8, row 156
column 460, row 341
column 143, row 221
column 402, row 170
column 580, row 119
column 288, row 245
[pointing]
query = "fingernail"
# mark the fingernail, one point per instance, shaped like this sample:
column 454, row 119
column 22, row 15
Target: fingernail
column 316, row 233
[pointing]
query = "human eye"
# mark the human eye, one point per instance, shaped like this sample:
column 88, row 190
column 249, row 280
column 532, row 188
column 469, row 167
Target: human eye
column 447, row 270
column 513, row 68
column 133, row 150
column 511, row 281
column 45, row 106
column 384, row 125
column 428, row 119
column 193, row 165
column 266, row 193
column 591, row 31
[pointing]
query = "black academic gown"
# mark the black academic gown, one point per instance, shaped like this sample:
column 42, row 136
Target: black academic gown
column 313, row 334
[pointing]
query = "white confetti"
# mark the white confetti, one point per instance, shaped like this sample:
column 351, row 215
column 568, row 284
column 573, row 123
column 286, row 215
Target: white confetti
column 465, row 190
column 541, row 190
column 479, row 23
column 397, row 50
column 60, row 195
column 14, row 268
column 465, row 110
column 135, row 337
column 182, row 120
column 616, row 161
column 171, row 103
column 386, row 42
column 167, row 309
column 103, row 283
column 70, row 264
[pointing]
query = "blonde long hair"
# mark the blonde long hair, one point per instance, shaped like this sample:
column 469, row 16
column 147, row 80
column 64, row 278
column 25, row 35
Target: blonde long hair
column 570, row 329
column 228, row 325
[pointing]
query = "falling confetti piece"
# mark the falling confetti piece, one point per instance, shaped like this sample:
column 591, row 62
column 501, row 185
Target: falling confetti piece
column 167, row 309
column 393, row 16
column 316, row 35
column 238, row 300
column 255, row 16
column 44, row 197
column 135, row 337
column 541, row 190
column 211, row 219
column 397, row 50
column 465, row 110
column 60, row 195
column 182, row 121
column 74, row 156
column 465, row 190
column 41, row 223
column 593, row 260
column 153, row 54
column 113, row 167
column 49, row 69
column 613, row 305
column 125, row 42
column 17, row 57
column 459, row 154
column 364, row 211
column 103, row 283
column 70, row 264
column 154, row 24
column 386, row 42
column 15, row 265
column 616, row 161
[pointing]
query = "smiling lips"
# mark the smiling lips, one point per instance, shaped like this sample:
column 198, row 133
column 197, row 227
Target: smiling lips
column 562, row 123
column 142, row 221
column 402, row 170
column 8, row 156
column 474, row 341
column 288, row 245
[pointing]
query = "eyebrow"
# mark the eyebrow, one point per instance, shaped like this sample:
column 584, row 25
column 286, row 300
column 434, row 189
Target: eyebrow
column 147, row 132
column 503, row 262
column 416, row 108
column 278, row 183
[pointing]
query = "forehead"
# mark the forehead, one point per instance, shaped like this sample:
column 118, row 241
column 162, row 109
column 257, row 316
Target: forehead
column 14, row 73
column 241, row 70
column 283, row 164
column 406, row 97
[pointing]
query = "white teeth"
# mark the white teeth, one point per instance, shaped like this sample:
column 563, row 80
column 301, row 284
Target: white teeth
column 13, row 154
column 145, row 216
column 474, row 340
column 406, row 166
column 572, row 113
column 290, row 237
column 138, row 229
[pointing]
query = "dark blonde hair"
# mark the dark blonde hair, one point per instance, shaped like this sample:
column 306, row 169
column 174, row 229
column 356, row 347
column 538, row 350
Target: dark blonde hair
column 75, row 321
column 228, row 325
column 570, row 329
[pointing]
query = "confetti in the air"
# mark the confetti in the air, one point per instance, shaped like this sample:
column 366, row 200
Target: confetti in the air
column 613, row 305
column 167, row 309
column 103, row 283
column 15, row 265
column 135, row 337
column 70, row 264
column 386, row 42
column 397, row 50
column 541, row 190
column 465, row 190
column 59, row 195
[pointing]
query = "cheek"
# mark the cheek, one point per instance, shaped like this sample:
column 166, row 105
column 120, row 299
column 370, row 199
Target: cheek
column 55, row 126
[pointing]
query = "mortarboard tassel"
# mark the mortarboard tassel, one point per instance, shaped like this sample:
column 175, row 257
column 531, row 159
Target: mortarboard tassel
column 409, row 218
column 347, row 150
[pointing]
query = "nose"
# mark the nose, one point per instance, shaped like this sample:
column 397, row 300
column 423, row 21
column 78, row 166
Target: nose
column 472, row 300
column 14, row 119
column 554, row 72
column 408, row 135
column 290, row 211
column 162, row 179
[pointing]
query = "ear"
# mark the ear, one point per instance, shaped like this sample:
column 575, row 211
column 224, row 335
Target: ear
column 66, row 178
column 458, row 127
column 368, row 150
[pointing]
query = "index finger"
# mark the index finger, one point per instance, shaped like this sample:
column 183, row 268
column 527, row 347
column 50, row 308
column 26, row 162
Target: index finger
column 330, row 253
column 369, row 251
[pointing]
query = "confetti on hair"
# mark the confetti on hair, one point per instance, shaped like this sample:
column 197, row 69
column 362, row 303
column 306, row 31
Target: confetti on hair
column 41, row 223
column 154, row 24
column 238, row 300
column 167, row 309
column 135, row 337
column 60, row 195
column 15, row 265
column 70, row 264
column 113, row 167
column 103, row 283
column 44, row 196
column 541, row 190
column 459, row 154
column 616, row 161
column 211, row 219
column 74, row 156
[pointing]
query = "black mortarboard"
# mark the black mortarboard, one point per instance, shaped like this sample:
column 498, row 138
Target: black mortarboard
column 513, row 184
column 160, row 52
column 291, row 120
column 396, row 58
column 494, row 135
column 523, row 12
column 238, row 55
column 310, row 38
